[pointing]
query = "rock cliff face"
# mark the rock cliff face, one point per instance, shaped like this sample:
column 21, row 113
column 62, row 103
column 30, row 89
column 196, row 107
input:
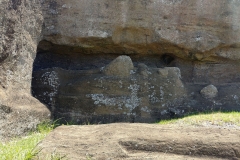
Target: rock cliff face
column 21, row 25
column 78, row 37
column 143, row 94
column 192, row 29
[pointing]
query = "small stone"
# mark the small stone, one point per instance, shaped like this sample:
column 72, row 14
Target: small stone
column 209, row 91
column 143, row 69
column 120, row 67
column 163, row 72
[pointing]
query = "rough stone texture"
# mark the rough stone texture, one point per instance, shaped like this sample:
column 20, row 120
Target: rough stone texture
column 120, row 67
column 21, row 26
column 209, row 91
column 75, row 88
column 201, row 36
column 192, row 29
column 92, row 96
column 21, row 120
column 20, row 30
column 141, row 142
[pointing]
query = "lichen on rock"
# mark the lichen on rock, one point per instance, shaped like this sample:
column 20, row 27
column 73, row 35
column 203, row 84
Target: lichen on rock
column 176, row 48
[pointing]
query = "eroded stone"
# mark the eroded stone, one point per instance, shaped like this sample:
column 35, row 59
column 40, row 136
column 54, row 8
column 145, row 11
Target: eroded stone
column 123, row 141
column 209, row 92
column 120, row 67
column 202, row 35
column 107, row 98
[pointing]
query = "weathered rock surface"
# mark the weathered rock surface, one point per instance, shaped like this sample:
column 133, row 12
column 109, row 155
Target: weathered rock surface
column 120, row 67
column 197, row 36
column 21, row 26
column 142, row 141
column 99, row 97
column 147, row 93
column 201, row 37
column 209, row 91
column 20, row 30
column 20, row 120
column 192, row 29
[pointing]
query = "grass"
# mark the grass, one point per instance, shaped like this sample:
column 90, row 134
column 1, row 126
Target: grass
column 205, row 119
column 24, row 148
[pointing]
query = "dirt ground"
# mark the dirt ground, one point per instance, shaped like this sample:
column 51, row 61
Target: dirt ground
column 142, row 141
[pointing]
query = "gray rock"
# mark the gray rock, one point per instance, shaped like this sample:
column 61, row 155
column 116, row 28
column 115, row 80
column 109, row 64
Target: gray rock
column 120, row 67
column 143, row 70
column 21, row 27
column 98, row 97
column 209, row 92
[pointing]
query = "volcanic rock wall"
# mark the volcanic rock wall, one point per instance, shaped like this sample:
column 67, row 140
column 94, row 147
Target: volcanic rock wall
column 200, row 37
column 117, row 92
column 193, row 29
column 20, row 29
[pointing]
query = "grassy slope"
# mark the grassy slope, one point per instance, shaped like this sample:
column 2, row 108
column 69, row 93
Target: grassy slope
column 208, row 119
column 24, row 148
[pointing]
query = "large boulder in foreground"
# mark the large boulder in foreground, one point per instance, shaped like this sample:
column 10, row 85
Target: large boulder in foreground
column 141, row 141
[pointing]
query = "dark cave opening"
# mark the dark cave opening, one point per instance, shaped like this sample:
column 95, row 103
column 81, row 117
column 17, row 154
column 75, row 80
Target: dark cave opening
column 50, row 56
column 167, row 59
column 61, row 74
column 54, row 61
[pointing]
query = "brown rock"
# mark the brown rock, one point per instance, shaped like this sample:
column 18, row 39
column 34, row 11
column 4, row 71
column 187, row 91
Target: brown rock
column 191, row 29
column 21, row 26
column 204, row 33
column 142, row 141
column 120, row 67
column 20, row 117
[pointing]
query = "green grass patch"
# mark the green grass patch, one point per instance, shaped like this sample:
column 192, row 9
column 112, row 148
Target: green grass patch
column 24, row 148
column 201, row 119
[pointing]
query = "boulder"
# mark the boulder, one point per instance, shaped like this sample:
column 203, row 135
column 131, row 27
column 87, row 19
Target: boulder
column 209, row 91
column 124, row 141
column 20, row 117
column 120, row 67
